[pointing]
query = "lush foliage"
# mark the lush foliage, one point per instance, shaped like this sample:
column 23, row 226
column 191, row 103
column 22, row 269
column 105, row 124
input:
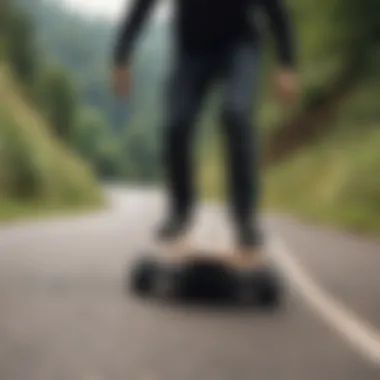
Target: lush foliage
column 37, row 169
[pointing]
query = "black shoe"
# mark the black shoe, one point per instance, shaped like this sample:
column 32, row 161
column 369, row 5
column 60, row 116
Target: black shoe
column 249, row 238
column 172, row 229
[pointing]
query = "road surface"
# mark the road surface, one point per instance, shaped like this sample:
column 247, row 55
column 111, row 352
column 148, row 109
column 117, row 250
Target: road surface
column 64, row 315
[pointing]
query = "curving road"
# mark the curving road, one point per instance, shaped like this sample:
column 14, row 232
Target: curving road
column 63, row 314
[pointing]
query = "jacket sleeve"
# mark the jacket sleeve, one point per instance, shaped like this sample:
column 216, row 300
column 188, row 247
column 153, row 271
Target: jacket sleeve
column 129, row 29
column 280, row 24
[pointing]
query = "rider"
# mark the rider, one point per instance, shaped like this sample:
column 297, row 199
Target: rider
column 214, row 39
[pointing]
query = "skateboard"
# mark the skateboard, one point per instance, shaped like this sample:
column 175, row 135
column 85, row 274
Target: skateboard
column 204, row 273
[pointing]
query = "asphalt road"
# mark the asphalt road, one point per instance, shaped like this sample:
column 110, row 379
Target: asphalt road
column 64, row 315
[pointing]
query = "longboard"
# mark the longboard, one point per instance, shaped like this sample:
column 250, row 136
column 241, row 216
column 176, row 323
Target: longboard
column 185, row 253
column 188, row 270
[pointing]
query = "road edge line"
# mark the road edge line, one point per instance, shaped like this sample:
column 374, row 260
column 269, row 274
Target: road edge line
column 360, row 334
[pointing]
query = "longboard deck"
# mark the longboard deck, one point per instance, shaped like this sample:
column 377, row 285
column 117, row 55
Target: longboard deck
column 185, row 253
column 168, row 270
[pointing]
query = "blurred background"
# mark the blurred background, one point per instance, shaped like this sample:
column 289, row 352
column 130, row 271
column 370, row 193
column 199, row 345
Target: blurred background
column 63, row 133
column 69, row 147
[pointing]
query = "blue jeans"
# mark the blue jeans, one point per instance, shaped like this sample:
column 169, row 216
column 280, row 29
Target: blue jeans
column 236, row 68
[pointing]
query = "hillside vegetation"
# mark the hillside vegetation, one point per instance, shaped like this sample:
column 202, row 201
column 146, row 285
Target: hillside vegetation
column 39, row 173
column 336, row 180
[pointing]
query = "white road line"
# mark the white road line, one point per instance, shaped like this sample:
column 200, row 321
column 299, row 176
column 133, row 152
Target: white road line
column 363, row 337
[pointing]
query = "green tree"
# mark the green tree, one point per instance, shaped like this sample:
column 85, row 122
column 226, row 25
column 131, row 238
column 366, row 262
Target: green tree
column 20, row 47
column 141, row 152
column 59, row 101
column 95, row 143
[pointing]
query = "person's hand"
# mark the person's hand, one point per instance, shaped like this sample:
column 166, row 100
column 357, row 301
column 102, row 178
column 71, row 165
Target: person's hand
column 121, row 80
column 287, row 86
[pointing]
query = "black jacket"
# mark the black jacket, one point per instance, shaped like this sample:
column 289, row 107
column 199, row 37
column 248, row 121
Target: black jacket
column 210, row 24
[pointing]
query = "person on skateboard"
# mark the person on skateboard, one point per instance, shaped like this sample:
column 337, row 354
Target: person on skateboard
column 214, row 40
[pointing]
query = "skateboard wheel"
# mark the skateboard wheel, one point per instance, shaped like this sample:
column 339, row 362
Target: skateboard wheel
column 143, row 277
column 258, row 287
column 268, row 289
column 270, row 296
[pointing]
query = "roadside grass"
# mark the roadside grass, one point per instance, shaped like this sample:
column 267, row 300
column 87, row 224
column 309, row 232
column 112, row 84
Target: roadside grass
column 38, row 173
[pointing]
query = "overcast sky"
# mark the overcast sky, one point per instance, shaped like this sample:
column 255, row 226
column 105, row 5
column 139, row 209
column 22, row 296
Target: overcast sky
column 108, row 8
